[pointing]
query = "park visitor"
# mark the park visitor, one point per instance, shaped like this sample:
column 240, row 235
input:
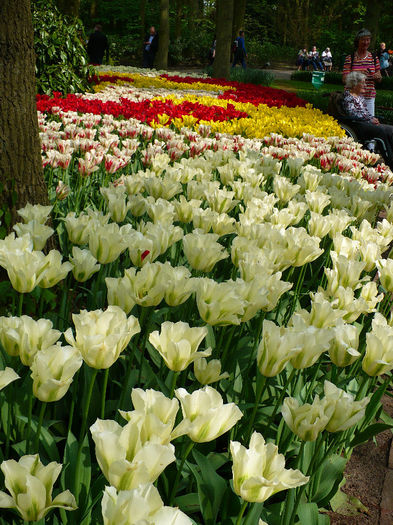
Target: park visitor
column 314, row 59
column 327, row 59
column 364, row 61
column 97, row 46
column 383, row 56
column 150, row 47
column 240, row 52
column 364, row 124
column 302, row 59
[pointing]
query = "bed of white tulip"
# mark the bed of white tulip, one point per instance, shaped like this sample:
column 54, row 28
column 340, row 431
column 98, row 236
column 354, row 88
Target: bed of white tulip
column 212, row 335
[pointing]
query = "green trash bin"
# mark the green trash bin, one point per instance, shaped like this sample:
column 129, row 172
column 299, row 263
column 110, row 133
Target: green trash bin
column 318, row 78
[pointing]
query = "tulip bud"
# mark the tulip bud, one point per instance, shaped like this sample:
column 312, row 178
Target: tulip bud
column 62, row 191
column 208, row 372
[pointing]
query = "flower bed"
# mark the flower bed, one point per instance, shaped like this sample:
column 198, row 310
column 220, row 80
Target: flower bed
column 212, row 336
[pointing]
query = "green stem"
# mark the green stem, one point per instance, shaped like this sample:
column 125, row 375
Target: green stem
column 40, row 420
column 240, row 515
column 280, row 399
column 301, row 489
column 73, row 401
column 311, row 387
column 299, row 284
column 8, row 429
column 229, row 333
column 103, row 393
column 258, row 395
column 364, row 382
column 82, row 434
column 20, row 304
column 87, row 406
column 127, row 380
column 30, row 409
column 173, row 385
column 179, row 471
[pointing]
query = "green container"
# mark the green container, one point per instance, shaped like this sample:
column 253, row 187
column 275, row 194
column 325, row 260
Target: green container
column 317, row 78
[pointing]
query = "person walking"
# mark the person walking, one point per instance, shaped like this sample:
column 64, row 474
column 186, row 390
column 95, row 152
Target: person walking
column 150, row 47
column 383, row 56
column 97, row 46
column 364, row 61
column 240, row 52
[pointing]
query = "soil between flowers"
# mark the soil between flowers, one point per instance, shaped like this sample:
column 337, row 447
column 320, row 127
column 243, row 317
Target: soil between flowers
column 365, row 475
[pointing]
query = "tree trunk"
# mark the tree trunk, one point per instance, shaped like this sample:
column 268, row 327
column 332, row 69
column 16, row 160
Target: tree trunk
column 93, row 9
column 163, row 42
column 69, row 7
column 224, row 38
column 373, row 14
column 21, row 174
column 239, row 11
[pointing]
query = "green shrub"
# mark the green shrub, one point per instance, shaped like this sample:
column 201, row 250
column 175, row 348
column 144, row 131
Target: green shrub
column 61, row 59
column 316, row 98
column 387, row 83
column 249, row 75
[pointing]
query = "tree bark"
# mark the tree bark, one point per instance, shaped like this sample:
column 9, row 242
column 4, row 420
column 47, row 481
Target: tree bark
column 163, row 42
column 69, row 7
column 221, row 63
column 239, row 11
column 373, row 14
column 178, row 19
column 21, row 173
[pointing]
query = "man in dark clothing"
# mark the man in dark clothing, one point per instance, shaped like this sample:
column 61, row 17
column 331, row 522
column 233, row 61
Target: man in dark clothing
column 97, row 46
column 150, row 47
column 240, row 52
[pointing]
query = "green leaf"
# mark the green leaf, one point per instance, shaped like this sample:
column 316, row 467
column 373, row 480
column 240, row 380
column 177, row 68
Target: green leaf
column 308, row 513
column 369, row 432
column 47, row 440
column 211, row 488
column 347, row 505
column 188, row 503
column 330, row 475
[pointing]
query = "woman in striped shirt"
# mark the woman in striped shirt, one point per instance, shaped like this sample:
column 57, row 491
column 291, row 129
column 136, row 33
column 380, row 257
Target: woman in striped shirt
column 364, row 61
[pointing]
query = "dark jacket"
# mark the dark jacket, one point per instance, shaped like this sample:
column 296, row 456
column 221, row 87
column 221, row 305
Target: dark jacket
column 97, row 46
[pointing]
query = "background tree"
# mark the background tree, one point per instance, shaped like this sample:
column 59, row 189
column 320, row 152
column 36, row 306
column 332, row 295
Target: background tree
column 239, row 12
column 163, row 41
column 221, row 63
column 21, row 173
column 69, row 7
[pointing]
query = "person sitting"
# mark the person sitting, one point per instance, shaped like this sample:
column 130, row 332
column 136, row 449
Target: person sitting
column 302, row 61
column 383, row 56
column 364, row 61
column 365, row 125
column 315, row 61
column 327, row 59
